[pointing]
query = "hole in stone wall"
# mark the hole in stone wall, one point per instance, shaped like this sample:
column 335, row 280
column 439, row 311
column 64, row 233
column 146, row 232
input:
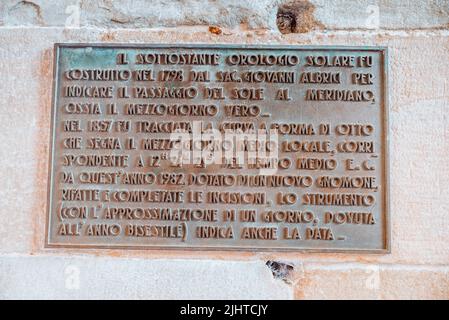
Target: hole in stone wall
column 297, row 16
column 280, row 270
column 286, row 22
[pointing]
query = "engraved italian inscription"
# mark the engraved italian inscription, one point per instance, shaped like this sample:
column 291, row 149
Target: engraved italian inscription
column 219, row 147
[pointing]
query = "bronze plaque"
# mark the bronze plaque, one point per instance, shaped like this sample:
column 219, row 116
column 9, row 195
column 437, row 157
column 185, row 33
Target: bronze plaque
column 219, row 147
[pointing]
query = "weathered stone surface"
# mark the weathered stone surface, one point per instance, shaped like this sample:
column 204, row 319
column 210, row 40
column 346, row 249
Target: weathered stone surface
column 139, row 13
column 111, row 278
column 392, row 14
column 358, row 281
column 310, row 15
column 46, row 277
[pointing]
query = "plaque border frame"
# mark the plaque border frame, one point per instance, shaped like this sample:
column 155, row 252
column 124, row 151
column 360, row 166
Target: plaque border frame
column 383, row 50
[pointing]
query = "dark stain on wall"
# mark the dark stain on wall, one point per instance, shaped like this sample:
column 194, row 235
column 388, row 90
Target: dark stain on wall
column 297, row 16
column 281, row 270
